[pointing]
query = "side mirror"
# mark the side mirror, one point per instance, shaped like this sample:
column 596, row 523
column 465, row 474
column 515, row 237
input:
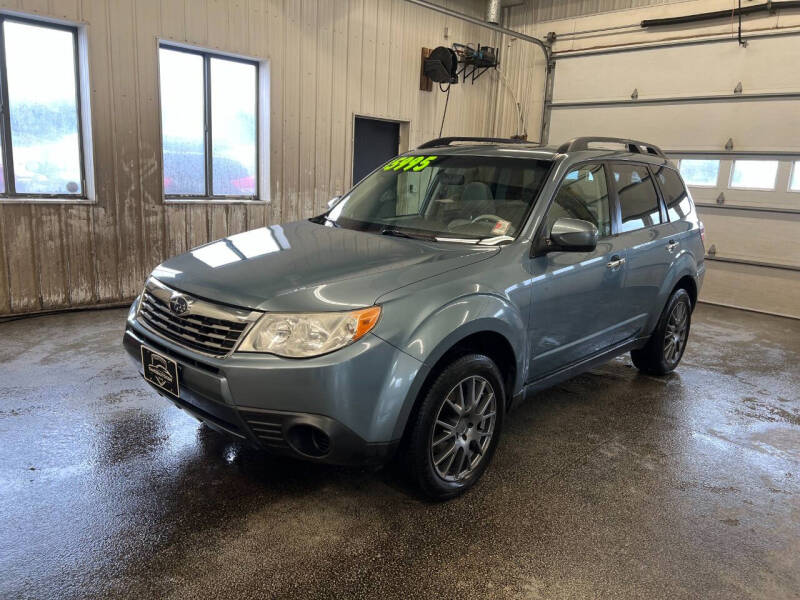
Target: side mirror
column 573, row 235
column 332, row 202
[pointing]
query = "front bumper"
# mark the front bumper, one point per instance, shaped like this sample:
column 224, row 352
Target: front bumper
column 359, row 397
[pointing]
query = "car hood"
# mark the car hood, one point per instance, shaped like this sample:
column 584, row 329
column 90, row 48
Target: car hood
column 305, row 266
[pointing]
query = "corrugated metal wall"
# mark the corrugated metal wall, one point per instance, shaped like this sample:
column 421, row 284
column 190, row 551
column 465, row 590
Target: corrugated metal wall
column 551, row 10
column 329, row 60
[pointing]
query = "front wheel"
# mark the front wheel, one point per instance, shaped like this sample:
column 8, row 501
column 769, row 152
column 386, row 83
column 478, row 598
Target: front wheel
column 665, row 348
column 455, row 431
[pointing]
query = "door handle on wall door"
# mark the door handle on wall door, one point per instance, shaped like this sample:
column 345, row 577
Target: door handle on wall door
column 616, row 261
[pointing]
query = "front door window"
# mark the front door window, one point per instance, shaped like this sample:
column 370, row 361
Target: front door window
column 583, row 195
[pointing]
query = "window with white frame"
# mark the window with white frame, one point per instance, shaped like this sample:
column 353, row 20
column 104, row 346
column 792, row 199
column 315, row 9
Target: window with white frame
column 754, row 174
column 41, row 130
column 209, row 125
column 700, row 172
column 794, row 183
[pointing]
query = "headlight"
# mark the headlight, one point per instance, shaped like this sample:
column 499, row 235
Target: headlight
column 308, row 334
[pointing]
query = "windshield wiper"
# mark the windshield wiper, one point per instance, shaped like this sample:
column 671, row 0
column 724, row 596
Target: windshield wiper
column 403, row 234
column 322, row 219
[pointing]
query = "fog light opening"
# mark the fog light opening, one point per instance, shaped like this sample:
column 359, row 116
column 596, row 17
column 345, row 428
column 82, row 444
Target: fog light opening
column 321, row 441
column 309, row 440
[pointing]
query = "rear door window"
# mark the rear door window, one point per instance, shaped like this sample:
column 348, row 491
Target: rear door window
column 674, row 193
column 583, row 195
column 637, row 196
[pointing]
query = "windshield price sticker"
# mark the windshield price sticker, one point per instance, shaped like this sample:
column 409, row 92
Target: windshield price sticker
column 410, row 163
column 501, row 227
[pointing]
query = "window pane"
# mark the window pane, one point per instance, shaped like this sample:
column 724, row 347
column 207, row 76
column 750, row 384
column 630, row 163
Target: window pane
column 795, row 184
column 183, row 122
column 583, row 195
column 43, row 109
column 637, row 197
column 675, row 195
column 233, row 123
column 759, row 174
column 700, row 172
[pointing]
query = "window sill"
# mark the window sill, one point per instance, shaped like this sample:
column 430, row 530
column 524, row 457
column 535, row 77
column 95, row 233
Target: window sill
column 46, row 200
column 215, row 201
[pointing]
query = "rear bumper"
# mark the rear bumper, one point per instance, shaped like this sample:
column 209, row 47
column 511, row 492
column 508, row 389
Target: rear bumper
column 701, row 274
column 358, row 397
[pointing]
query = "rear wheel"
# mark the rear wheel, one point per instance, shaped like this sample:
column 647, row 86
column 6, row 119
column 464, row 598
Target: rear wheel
column 665, row 348
column 455, row 431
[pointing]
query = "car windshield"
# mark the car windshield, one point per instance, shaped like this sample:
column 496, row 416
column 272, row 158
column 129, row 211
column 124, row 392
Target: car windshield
column 458, row 198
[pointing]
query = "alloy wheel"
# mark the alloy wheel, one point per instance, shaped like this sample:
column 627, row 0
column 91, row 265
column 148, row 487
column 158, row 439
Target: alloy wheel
column 676, row 332
column 463, row 428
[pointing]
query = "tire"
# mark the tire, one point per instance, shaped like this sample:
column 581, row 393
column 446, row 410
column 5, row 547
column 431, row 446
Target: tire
column 465, row 405
column 667, row 343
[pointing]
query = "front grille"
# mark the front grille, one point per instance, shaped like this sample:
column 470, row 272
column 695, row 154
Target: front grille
column 266, row 427
column 182, row 356
column 202, row 333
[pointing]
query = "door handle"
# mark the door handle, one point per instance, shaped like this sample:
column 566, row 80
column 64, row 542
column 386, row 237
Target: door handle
column 616, row 261
column 671, row 245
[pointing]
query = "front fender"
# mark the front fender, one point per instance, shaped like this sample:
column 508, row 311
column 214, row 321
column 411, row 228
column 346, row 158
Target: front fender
column 433, row 334
column 454, row 322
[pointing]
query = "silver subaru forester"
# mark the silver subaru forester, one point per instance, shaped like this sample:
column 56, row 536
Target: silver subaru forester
column 409, row 318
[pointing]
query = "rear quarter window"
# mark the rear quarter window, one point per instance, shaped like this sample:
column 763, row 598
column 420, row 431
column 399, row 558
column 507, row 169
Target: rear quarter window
column 674, row 192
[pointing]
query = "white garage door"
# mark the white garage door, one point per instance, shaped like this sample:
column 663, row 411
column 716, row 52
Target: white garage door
column 691, row 100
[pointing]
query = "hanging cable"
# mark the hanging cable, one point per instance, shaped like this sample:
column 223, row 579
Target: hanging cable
column 523, row 129
column 733, row 13
column 446, row 102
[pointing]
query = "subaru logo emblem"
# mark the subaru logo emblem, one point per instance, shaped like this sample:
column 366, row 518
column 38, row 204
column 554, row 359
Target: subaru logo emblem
column 179, row 304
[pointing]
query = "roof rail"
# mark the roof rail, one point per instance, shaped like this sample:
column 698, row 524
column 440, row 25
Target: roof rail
column 446, row 141
column 633, row 146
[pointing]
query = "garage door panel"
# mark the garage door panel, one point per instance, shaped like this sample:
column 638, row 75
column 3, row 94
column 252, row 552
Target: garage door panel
column 780, row 198
column 681, row 71
column 594, row 92
column 775, row 291
column 766, row 125
column 752, row 236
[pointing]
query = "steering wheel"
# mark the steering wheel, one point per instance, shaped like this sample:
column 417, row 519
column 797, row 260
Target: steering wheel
column 487, row 217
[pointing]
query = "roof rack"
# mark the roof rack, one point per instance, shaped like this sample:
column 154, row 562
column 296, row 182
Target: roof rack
column 633, row 146
column 446, row 141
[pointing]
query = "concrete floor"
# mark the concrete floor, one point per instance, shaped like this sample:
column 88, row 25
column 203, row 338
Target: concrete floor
column 613, row 484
